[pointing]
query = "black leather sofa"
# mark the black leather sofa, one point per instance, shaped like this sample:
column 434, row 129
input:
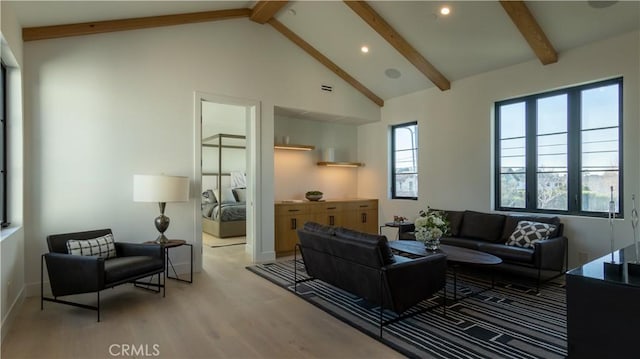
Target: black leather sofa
column 364, row 265
column 489, row 232
column 74, row 274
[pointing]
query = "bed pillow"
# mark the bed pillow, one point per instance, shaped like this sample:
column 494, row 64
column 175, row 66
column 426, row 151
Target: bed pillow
column 99, row 247
column 241, row 194
column 226, row 195
column 527, row 233
column 208, row 197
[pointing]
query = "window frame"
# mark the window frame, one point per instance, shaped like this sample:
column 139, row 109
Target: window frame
column 393, row 173
column 4, row 221
column 574, row 151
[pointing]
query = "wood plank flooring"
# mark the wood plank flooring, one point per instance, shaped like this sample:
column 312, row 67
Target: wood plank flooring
column 227, row 312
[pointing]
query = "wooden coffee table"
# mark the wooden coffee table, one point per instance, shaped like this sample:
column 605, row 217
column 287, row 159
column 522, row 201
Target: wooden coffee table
column 456, row 256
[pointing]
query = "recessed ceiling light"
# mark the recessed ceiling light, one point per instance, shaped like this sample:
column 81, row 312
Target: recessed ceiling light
column 445, row 10
column 364, row 49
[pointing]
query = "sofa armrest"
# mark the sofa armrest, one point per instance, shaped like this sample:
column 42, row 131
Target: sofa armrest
column 410, row 282
column 124, row 249
column 551, row 253
column 71, row 274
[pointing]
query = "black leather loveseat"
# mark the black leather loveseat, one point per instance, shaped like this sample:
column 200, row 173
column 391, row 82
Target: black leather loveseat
column 364, row 265
column 490, row 233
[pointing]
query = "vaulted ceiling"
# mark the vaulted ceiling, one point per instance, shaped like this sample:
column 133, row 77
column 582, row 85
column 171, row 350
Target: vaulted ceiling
column 412, row 46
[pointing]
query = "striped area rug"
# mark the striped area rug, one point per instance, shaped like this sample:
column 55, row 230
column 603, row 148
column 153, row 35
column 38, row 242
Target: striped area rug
column 508, row 321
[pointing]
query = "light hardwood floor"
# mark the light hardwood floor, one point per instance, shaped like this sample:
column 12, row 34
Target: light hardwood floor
column 228, row 312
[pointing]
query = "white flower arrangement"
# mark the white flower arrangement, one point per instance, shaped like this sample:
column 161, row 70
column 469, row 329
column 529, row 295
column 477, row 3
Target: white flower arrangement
column 431, row 225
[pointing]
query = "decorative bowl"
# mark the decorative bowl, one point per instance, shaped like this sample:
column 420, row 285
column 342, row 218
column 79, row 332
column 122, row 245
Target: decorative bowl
column 313, row 197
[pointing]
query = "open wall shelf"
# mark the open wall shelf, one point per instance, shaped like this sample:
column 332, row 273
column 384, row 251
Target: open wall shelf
column 294, row 147
column 341, row 164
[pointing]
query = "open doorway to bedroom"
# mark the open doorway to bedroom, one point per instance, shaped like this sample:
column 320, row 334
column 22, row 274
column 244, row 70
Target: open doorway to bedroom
column 228, row 138
column 224, row 174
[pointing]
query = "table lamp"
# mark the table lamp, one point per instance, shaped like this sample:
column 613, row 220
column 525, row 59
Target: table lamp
column 161, row 189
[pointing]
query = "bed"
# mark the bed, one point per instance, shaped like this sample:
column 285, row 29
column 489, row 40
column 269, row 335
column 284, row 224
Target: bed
column 226, row 219
column 224, row 193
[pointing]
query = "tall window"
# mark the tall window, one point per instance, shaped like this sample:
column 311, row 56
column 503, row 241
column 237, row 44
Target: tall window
column 3, row 147
column 561, row 151
column 404, row 161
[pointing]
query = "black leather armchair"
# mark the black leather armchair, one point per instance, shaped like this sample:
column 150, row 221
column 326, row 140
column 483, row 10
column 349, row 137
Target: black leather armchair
column 75, row 274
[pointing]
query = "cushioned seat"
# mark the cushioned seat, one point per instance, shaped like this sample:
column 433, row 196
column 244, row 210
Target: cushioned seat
column 508, row 253
column 122, row 268
column 463, row 242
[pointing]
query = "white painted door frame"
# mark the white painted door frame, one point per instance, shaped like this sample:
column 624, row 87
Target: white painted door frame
column 252, row 113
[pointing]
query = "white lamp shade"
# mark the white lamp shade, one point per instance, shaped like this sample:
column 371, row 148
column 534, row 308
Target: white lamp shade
column 154, row 188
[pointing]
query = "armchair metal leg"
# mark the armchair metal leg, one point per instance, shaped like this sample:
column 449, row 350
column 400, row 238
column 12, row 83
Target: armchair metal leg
column 98, row 307
column 42, row 282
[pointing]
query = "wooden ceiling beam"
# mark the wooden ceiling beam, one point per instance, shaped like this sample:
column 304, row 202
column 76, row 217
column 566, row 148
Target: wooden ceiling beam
column 99, row 27
column 264, row 10
column 324, row 60
column 371, row 17
column 531, row 30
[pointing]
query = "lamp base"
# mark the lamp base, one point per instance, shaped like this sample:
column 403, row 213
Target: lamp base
column 162, row 239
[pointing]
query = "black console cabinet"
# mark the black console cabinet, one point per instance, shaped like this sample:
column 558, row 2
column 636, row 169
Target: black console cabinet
column 603, row 309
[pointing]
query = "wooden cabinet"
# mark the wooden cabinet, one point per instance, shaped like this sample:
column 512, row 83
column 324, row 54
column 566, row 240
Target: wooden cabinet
column 359, row 215
column 289, row 218
column 363, row 216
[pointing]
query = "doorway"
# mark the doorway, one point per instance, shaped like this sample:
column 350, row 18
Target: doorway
column 227, row 139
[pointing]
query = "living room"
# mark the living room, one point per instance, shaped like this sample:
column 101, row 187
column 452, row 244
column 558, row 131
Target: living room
column 100, row 108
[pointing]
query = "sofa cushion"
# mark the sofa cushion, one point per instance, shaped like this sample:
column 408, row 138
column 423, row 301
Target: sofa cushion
column 100, row 247
column 528, row 233
column 455, row 221
column 319, row 228
column 484, row 226
column 470, row 243
column 512, row 221
column 508, row 253
column 121, row 268
column 383, row 245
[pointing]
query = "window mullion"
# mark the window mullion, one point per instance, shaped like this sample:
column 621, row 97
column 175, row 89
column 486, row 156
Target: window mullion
column 531, row 158
column 574, row 153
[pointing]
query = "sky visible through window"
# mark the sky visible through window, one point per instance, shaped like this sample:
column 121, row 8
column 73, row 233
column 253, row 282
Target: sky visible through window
column 406, row 161
column 598, row 158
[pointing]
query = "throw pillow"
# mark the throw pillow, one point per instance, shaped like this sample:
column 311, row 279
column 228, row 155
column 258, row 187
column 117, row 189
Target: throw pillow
column 226, row 195
column 241, row 194
column 528, row 233
column 100, row 247
column 208, row 197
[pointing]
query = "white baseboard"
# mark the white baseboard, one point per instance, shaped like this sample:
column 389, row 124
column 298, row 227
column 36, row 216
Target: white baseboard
column 8, row 320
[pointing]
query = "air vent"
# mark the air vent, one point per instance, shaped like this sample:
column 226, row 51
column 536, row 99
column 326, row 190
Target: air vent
column 326, row 88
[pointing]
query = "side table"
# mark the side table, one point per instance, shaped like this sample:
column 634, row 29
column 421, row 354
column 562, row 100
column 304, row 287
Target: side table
column 399, row 225
column 170, row 244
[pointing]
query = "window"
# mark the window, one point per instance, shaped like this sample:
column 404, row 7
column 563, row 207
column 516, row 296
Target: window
column 3, row 147
column 561, row 151
column 404, row 161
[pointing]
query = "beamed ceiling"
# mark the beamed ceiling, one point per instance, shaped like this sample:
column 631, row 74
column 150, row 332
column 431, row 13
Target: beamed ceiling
column 412, row 46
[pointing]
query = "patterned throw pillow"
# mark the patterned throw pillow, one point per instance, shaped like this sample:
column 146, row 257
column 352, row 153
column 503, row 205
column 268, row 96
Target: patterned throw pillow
column 101, row 247
column 527, row 233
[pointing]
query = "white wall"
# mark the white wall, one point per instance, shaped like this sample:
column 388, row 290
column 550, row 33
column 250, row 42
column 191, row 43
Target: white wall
column 12, row 263
column 456, row 137
column 297, row 172
column 104, row 107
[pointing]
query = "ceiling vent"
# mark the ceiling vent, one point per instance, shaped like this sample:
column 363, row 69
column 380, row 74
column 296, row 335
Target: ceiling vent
column 326, row 88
